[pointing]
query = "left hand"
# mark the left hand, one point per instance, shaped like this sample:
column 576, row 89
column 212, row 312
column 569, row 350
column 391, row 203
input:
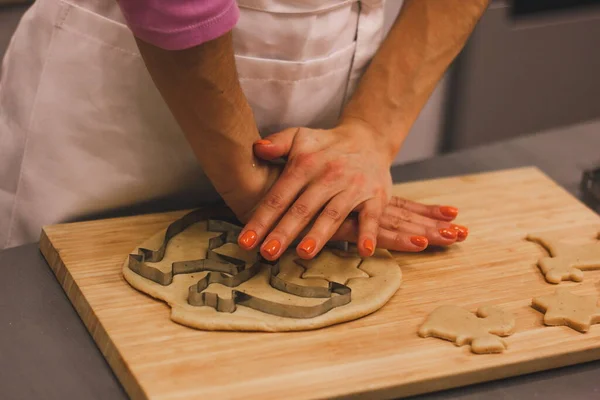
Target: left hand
column 328, row 174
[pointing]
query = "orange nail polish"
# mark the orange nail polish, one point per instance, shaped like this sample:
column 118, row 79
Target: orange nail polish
column 368, row 245
column 448, row 233
column 248, row 239
column 461, row 231
column 419, row 241
column 272, row 247
column 450, row 212
column 307, row 246
column 263, row 141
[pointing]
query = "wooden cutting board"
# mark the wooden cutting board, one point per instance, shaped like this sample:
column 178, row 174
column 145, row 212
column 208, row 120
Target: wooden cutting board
column 379, row 356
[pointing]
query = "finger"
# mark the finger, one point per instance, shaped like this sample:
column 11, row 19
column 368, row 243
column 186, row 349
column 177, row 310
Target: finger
column 348, row 230
column 461, row 232
column 435, row 236
column 326, row 225
column 368, row 226
column 275, row 145
column 401, row 241
column 396, row 216
column 295, row 220
column 386, row 239
column 277, row 200
column 443, row 213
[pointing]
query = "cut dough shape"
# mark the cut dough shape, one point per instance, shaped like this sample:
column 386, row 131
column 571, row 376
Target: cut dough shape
column 334, row 266
column 463, row 327
column 567, row 261
column 566, row 308
column 383, row 279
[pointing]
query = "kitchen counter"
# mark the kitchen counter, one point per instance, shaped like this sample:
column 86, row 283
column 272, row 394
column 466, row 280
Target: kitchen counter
column 46, row 351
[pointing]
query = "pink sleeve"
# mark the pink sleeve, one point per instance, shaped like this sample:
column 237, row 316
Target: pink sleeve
column 179, row 24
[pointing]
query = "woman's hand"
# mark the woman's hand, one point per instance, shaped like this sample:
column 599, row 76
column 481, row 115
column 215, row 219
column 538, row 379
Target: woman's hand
column 329, row 174
column 409, row 226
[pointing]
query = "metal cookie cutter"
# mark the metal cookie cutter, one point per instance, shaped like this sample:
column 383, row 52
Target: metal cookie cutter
column 232, row 272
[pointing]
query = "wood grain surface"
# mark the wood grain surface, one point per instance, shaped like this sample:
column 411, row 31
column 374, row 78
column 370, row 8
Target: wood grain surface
column 378, row 356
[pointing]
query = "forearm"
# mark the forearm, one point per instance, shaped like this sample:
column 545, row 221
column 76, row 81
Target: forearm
column 201, row 88
column 426, row 37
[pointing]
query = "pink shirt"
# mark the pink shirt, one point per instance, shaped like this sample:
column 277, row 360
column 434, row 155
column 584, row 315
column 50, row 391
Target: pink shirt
column 179, row 24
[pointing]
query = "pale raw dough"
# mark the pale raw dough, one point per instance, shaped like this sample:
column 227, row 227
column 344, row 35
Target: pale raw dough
column 373, row 283
column 463, row 327
column 566, row 308
column 567, row 261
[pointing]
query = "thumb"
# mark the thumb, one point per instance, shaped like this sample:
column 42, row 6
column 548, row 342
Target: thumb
column 276, row 145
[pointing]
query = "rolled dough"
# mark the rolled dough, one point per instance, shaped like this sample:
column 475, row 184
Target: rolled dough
column 373, row 282
column 566, row 308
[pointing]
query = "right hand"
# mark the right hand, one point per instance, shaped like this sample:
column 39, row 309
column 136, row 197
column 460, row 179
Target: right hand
column 410, row 226
column 404, row 226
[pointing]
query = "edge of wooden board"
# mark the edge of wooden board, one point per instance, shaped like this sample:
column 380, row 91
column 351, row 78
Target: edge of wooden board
column 135, row 391
column 485, row 375
column 94, row 326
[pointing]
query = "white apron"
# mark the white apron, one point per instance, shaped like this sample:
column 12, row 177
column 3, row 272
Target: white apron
column 84, row 132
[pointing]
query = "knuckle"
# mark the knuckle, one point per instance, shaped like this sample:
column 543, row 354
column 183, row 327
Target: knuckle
column 279, row 233
column 358, row 180
column 332, row 213
column 370, row 216
column 304, row 161
column 404, row 215
column 399, row 202
column 335, row 167
column 300, row 210
column 260, row 226
column 333, row 173
column 395, row 223
column 274, row 201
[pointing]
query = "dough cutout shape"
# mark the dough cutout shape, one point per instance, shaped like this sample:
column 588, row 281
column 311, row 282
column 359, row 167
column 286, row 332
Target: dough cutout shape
column 567, row 262
column 333, row 267
column 481, row 330
column 566, row 308
column 373, row 281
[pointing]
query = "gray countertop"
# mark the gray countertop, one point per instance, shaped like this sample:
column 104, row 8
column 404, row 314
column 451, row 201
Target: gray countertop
column 46, row 351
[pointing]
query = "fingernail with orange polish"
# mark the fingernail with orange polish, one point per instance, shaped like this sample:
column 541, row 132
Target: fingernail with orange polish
column 272, row 247
column 419, row 241
column 263, row 142
column 450, row 212
column 248, row 239
column 307, row 246
column 461, row 231
column 368, row 245
column 448, row 233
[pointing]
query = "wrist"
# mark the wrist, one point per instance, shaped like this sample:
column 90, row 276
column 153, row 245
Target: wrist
column 386, row 143
column 249, row 188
